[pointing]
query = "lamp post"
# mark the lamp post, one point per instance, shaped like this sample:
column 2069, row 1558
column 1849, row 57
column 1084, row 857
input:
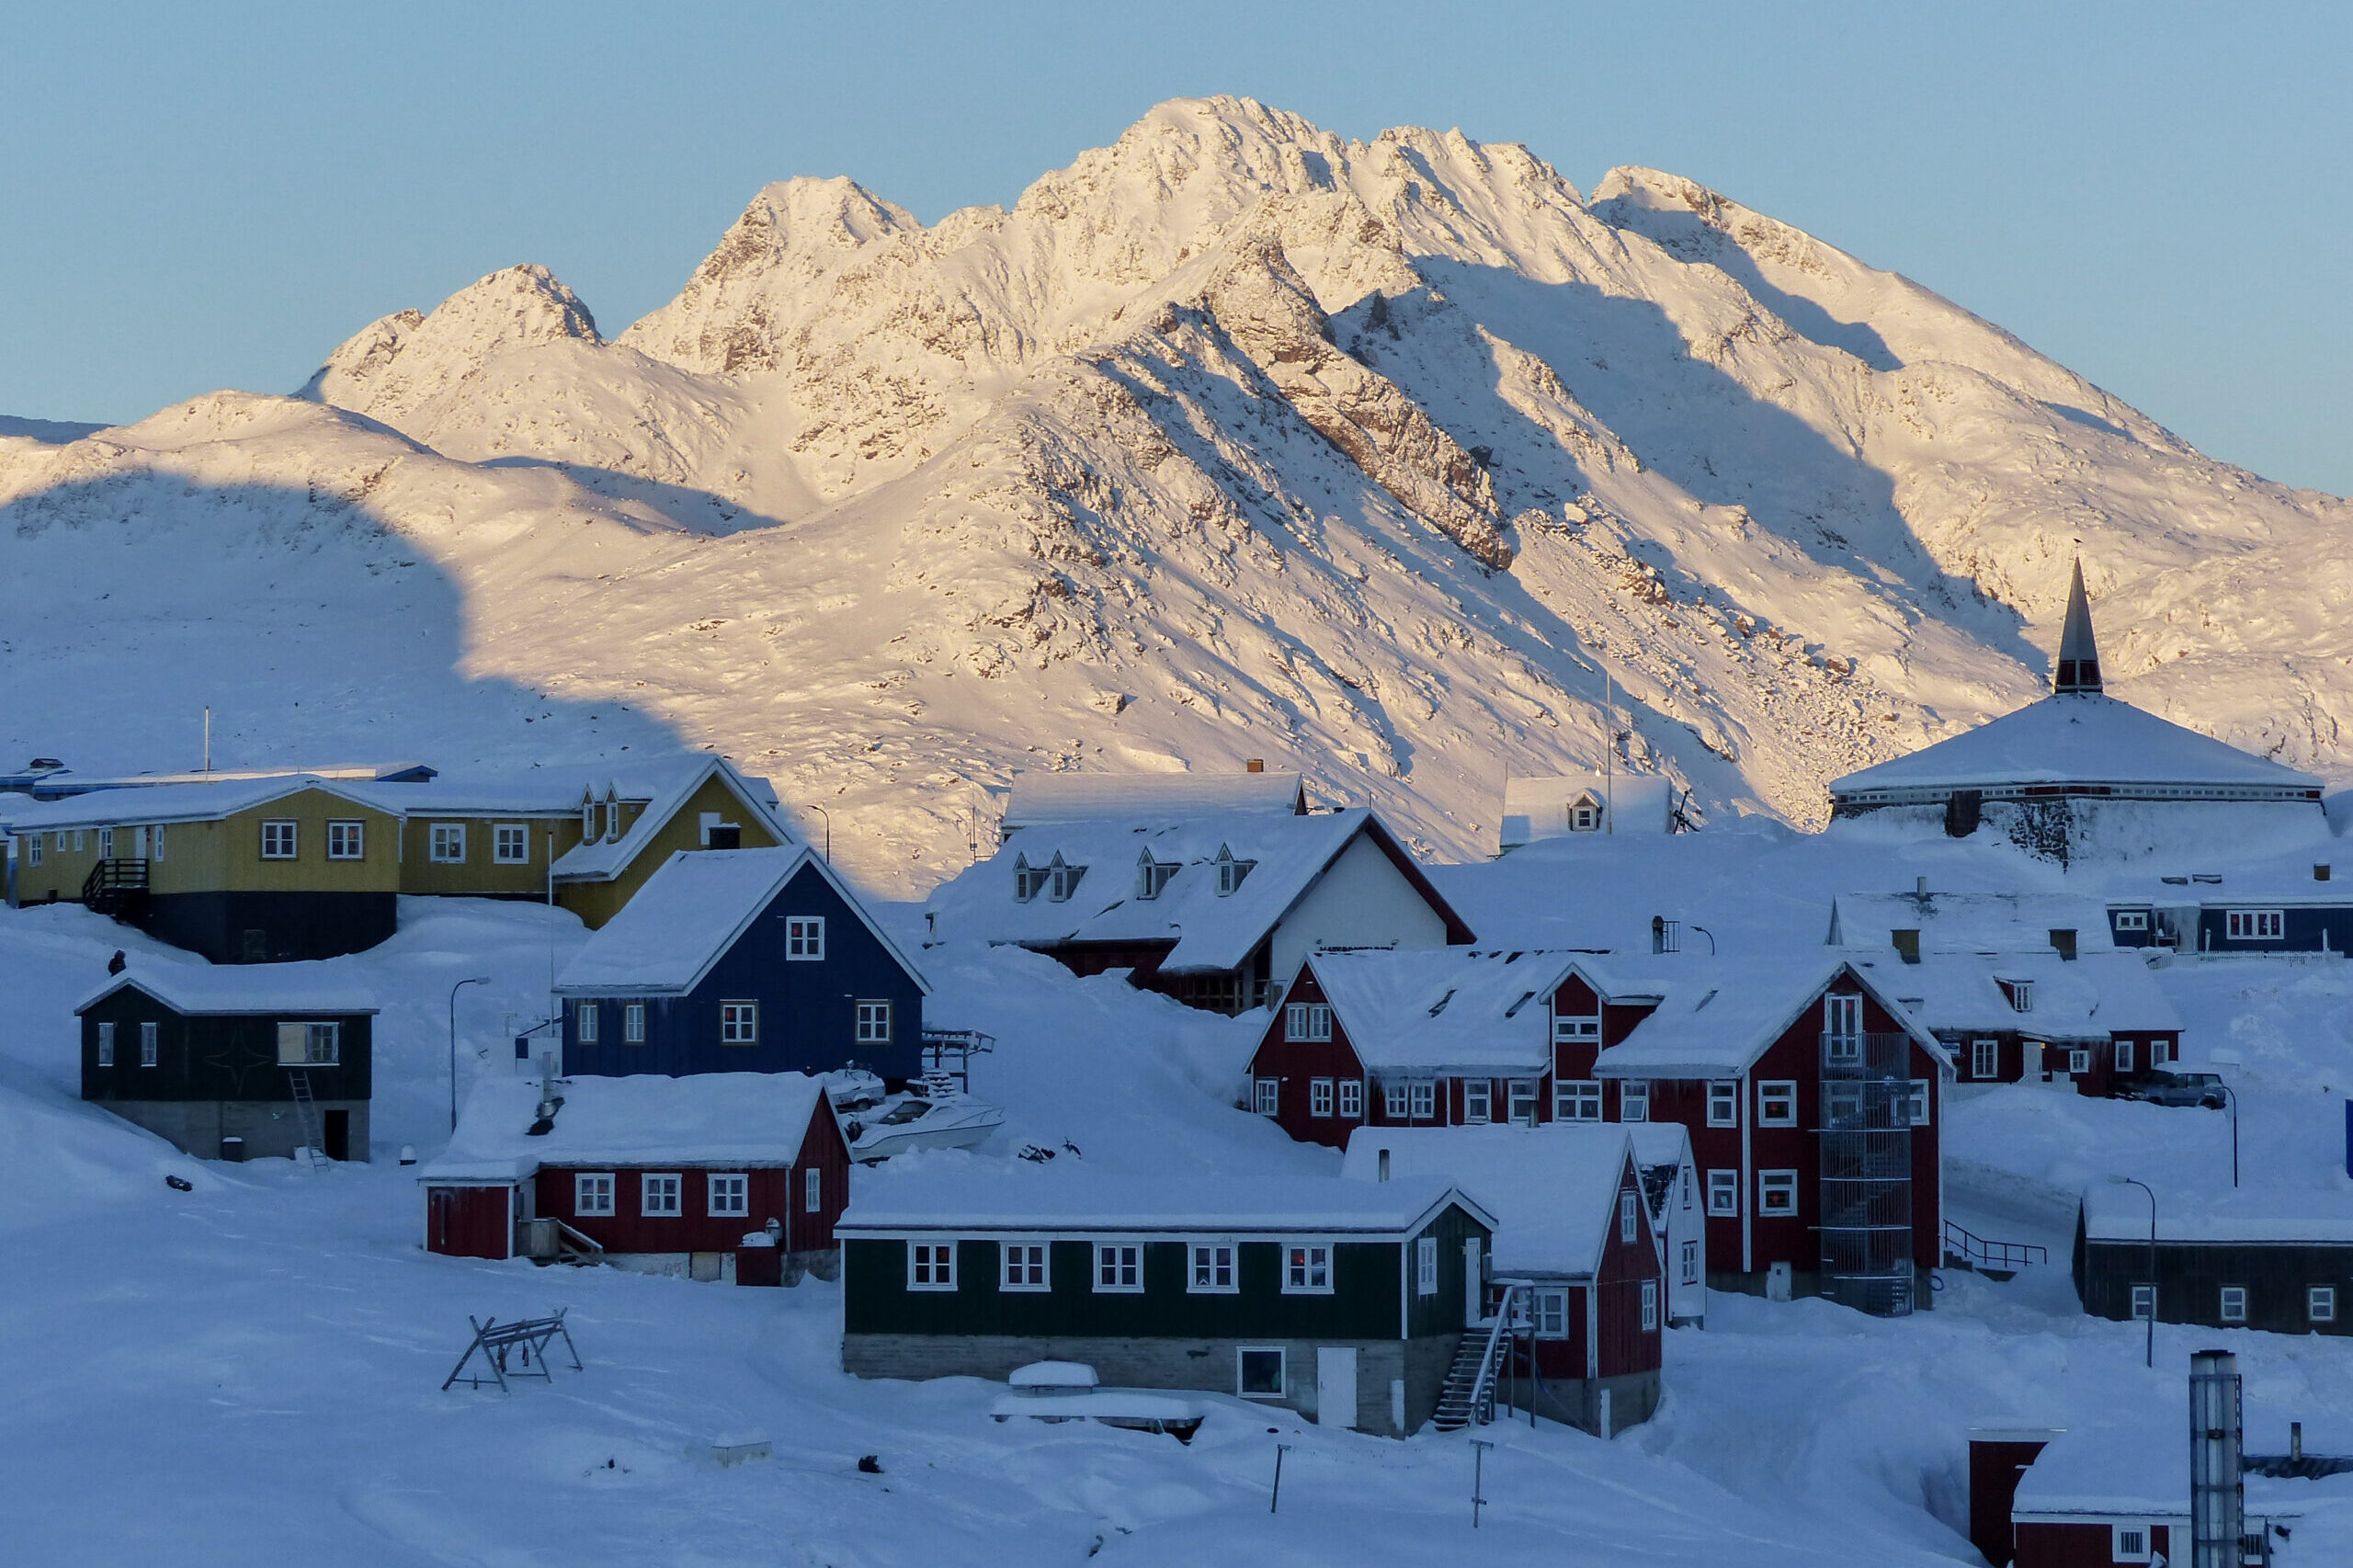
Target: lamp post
column 2150, row 1355
column 2232, row 1097
column 829, row 832
column 470, row 980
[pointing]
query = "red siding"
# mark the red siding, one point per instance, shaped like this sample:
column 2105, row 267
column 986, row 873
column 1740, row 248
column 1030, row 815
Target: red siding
column 2048, row 1545
column 773, row 1192
column 470, row 1221
column 1995, row 1466
column 1626, row 1345
column 1296, row 1063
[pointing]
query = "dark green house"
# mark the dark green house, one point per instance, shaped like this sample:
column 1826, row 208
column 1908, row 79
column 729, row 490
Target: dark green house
column 1343, row 1301
column 231, row 1062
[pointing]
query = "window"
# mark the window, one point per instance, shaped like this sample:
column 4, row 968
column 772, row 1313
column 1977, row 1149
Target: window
column 1421, row 1100
column 1212, row 1266
column 2021, row 993
column 2079, row 1059
column 2234, row 1303
column 1152, row 876
column 1119, row 1266
column 1723, row 1104
column 2254, row 925
column 1918, row 1102
column 1425, row 1267
column 1842, row 1019
column 278, row 840
column 659, row 1195
column 510, row 844
column 159, row 844
column 804, row 937
column 1352, row 1099
column 33, row 850
column 1307, row 1268
column 2124, row 1056
column 1028, row 880
column 148, row 1044
column 2320, row 1303
column 1307, row 1021
column 1629, row 1220
column 1577, row 1101
column 1776, row 1104
column 592, row 1193
column 1061, row 881
column 585, row 1025
column 309, row 1045
column 1478, row 1100
column 2144, row 1303
column 1583, row 818
column 1258, row 1371
column 1723, row 1193
column 739, row 1023
column 1570, row 1028
column 1690, row 1262
column 812, row 1190
column 874, row 1023
column 106, row 843
column 2132, row 920
column 1650, row 1305
column 1777, row 1194
column 1319, row 1096
column 1269, row 1101
column 1985, row 1059
column 445, row 843
column 633, row 1023
column 2162, row 1052
column 731, row 1196
column 931, row 1265
column 2130, row 1543
column 1025, row 1265
column 587, row 817
column 106, row 1045
column 347, row 841
column 1393, row 1101
column 1548, row 1314
column 1633, row 1100
column 77, row 841
column 1522, row 1092
column 1231, row 872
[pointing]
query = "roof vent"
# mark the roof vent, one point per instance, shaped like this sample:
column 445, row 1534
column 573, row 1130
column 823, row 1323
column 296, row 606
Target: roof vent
column 2320, row 873
column 1256, row 765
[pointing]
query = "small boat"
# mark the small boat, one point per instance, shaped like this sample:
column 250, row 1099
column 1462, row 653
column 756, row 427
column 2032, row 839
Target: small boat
column 1066, row 1391
column 937, row 1116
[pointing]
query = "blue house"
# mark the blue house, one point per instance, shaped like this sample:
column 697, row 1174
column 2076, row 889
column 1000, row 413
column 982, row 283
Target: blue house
column 742, row 960
column 2292, row 904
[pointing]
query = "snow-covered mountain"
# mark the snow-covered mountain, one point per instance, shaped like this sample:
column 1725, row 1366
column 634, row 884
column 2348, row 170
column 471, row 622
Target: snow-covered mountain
column 1236, row 438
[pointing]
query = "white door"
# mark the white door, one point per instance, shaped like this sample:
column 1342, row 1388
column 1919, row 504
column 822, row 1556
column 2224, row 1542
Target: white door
column 1474, row 1293
column 1336, row 1386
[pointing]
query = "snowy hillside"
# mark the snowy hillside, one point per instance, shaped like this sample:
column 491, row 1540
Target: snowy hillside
column 1232, row 439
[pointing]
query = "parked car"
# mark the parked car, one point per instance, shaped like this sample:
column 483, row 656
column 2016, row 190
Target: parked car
column 2161, row 1088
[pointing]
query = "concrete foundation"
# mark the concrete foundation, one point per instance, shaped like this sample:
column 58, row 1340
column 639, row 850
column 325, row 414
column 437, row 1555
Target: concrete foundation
column 1808, row 1282
column 1576, row 1402
column 271, row 1128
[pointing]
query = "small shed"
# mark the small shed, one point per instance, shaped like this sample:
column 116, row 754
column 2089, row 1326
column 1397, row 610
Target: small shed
column 2278, row 1259
column 256, row 1060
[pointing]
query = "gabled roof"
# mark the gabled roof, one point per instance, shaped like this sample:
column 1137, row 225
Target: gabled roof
column 1444, row 1008
column 172, row 803
column 1554, row 1188
column 1721, row 1014
column 1041, row 797
column 1206, row 930
column 1538, row 807
column 664, row 787
column 689, row 913
column 705, row 1118
column 1969, row 922
column 200, row 988
column 949, row 1192
column 2097, row 995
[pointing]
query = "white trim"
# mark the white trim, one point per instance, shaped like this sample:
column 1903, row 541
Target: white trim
column 585, row 1195
column 2222, row 1307
column 1194, row 1248
column 742, row 1191
column 1108, row 1257
column 804, row 939
column 2120, row 1551
column 1043, row 1264
column 675, row 1192
column 445, row 842
column 1781, row 1090
column 1727, row 1188
column 1306, row 1266
column 498, row 835
column 1322, row 1097
column 1425, row 1265
column 1777, row 1185
column 936, row 1257
column 1282, row 1370
column 1724, row 1093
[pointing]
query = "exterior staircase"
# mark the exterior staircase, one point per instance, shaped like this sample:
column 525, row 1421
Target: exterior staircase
column 1995, row 1260
column 116, row 887
column 1467, row 1398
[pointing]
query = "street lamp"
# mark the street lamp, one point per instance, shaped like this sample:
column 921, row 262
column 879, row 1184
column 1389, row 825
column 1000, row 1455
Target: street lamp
column 2151, row 1354
column 2234, row 1102
column 470, row 980
column 829, row 832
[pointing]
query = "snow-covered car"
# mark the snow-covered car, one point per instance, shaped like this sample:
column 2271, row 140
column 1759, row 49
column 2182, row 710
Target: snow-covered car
column 2161, row 1087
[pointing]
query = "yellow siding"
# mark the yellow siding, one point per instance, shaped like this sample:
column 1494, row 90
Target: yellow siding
column 480, row 874
column 239, row 867
column 596, row 903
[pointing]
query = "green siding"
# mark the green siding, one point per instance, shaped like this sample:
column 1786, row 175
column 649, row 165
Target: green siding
column 1442, row 1311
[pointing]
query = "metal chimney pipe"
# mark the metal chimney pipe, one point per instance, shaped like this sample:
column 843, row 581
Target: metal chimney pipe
column 2295, row 1439
column 1920, row 886
column 2217, row 1493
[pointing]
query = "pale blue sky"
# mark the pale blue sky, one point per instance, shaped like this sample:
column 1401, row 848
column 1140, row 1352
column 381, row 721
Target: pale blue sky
column 195, row 196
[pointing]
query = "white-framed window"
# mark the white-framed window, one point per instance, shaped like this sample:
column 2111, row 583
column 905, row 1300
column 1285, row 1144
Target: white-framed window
column 739, row 1023
column 150, row 1044
column 445, row 842
column 1777, row 1194
column 77, row 841
column 280, row 839
column 1584, row 817
column 931, row 1265
column 2079, row 1059
column 1723, row 1194
column 1119, row 1268
column 2144, row 1303
column 1267, row 1096
column 592, row 1193
column 308, row 1045
column 106, row 1045
column 660, row 1194
column 2253, row 924
column 1576, row 1100
column 2234, row 1303
column 1425, row 1265
column 2162, row 1052
column 1917, row 1103
column 1025, row 1265
column 1650, row 1305
column 812, row 1190
column 1723, row 1102
column 2129, row 1544
column 874, row 1023
column 1307, row 1020
column 1152, row 876
column 1393, row 1101
column 2021, row 993
column 1212, row 1271
column 2320, row 1303
column 1258, row 1371
column 2124, row 1056
column 1686, row 1184
column 584, row 1018
column 730, row 1194
column 510, row 844
column 587, row 818
column 2132, row 920
column 1520, row 1101
column 1061, row 879
column 106, row 843
column 1547, row 1314
column 1690, row 1262
column 1421, row 1100
column 1634, row 1099
column 347, row 841
column 33, row 850
column 1985, row 1059
column 1231, row 872
column 159, row 844
column 1576, row 1029
column 1777, row 1103
column 1307, row 1268
column 1319, row 1096
column 804, row 937
column 1629, row 1217
column 1352, row 1099
column 1478, row 1100
column 1028, row 880
column 632, row 1023
column 1842, row 1026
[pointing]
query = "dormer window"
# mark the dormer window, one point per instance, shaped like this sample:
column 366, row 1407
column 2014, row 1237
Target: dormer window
column 1061, row 881
column 1585, row 815
column 1152, row 875
column 1231, row 872
column 2021, row 993
column 1027, row 880
column 612, row 815
column 587, row 817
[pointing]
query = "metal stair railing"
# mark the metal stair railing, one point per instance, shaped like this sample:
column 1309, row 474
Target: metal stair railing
column 1482, row 1387
column 1990, row 1258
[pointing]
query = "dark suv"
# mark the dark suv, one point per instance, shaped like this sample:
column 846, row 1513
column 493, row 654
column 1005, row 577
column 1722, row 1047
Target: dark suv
column 2161, row 1088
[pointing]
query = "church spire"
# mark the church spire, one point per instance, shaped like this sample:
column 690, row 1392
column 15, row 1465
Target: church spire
column 2078, row 654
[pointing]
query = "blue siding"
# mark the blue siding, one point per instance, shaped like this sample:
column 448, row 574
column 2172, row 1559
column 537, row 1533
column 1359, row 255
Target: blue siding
column 2302, row 929
column 2144, row 938
column 807, row 1009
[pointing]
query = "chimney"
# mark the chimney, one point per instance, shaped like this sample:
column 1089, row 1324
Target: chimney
column 1256, row 765
column 2295, row 1439
column 2320, row 873
column 1919, row 887
column 1384, row 1175
column 2217, row 1499
column 1908, row 945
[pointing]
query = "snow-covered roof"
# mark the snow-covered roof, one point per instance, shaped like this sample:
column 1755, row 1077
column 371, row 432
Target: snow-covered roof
column 706, row 1119
column 689, row 913
column 2077, row 739
column 958, row 1192
column 200, row 988
column 1041, row 797
column 2140, row 1469
column 1539, row 808
column 1720, row 1015
column 2269, row 1211
column 1209, row 931
column 2291, row 879
column 1444, row 1007
column 1969, row 922
column 1554, row 1188
column 665, row 786
column 171, row 802
column 2097, row 996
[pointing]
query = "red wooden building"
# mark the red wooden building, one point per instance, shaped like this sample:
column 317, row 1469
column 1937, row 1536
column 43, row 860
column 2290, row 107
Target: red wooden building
column 665, row 1175
column 2096, row 1024
column 2120, row 1495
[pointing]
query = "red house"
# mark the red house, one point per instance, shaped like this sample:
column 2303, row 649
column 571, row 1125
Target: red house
column 2098, row 1024
column 659, row 1173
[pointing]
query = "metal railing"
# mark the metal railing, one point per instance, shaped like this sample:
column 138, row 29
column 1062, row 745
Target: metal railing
column 1991, row 1256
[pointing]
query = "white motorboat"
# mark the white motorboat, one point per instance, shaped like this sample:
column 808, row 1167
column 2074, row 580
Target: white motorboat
column 936, row 1116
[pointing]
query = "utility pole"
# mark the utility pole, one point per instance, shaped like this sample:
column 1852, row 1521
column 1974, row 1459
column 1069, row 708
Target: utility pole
column 1479, row 1447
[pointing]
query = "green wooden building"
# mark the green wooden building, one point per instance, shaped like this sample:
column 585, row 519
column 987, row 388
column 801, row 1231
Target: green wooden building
column 1343, row 1301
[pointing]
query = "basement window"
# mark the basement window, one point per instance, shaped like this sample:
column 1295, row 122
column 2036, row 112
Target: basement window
column 1258, row 1371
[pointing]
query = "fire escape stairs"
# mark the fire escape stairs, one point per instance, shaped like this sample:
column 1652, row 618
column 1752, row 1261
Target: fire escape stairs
column 1467, row 1398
